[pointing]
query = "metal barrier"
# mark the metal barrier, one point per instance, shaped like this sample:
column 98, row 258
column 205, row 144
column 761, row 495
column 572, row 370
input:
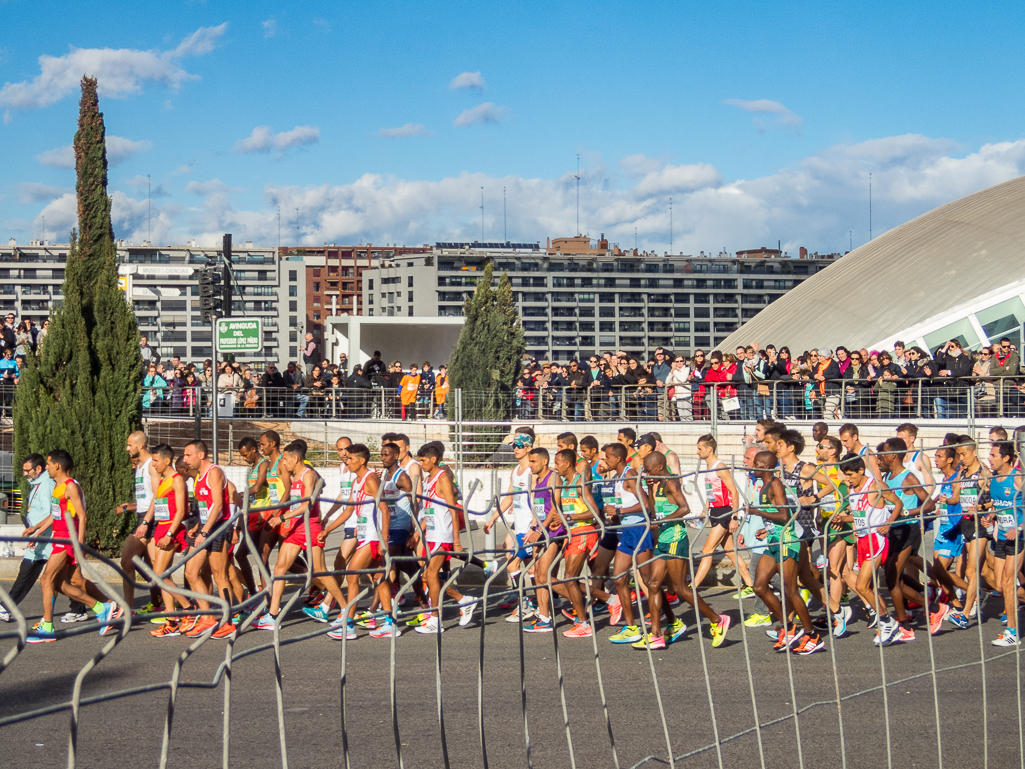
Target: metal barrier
column 668, row 728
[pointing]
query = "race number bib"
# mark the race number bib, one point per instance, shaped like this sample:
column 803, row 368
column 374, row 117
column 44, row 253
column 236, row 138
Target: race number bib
column 161, row 510
column 275, row 497
column 204, row 511
column 361, row 527
column 663, row 507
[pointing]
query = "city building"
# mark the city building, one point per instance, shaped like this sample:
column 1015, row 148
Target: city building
column 162, row 283
column 575, row 298
column 952, row 273
column 334, row 277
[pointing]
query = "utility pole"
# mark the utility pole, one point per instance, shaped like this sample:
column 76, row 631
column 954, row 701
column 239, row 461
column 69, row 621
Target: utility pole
column 577, row 177
column 505, row 219
column 481, row 214
column 670, row 226
column 870, row 206
column 149, row 209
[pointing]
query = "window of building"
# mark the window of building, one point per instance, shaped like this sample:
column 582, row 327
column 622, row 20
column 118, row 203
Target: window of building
column 606, row 312
column 293, row 290
column 316, row 316
column 293, row 321
column 316, row 273
column 410, row 295
column 409, row 282
column 316, row 286
column 410, row 311
column 316, row 301
column 607, row 326
column 701, row 312
column 293, row 306
column 370, row 281
column 202, row 352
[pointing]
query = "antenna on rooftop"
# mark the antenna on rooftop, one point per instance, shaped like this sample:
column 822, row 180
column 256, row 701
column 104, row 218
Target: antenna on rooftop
column 670, row 225
column 870, row 206
column 505, row 219
column 481, row 214
column 577, row 177
column 149, row 208
column 297, row 226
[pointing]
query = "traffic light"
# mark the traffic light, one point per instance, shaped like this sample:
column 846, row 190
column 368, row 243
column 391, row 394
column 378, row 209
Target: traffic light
column 210, row 302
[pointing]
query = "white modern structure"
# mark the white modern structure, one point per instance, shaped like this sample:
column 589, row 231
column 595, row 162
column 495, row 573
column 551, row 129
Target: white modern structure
column 408, row 339
column 956, row 272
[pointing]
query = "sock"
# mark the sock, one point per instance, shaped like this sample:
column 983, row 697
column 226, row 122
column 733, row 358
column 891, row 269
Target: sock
column 543, row 618
column 98, row 608
column 46, row 626
column 325, row 605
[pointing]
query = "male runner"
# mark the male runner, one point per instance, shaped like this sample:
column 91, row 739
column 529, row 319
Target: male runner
column 569, row 441
column 916, row 460
column 974, row 484
column 579, row 511
column 211, row 492
column 346, row 480
column 868, row 512
column 670, row 565
column 672, row 460
column 170, row 510
column 292, row 523
column 372, row 520
column 782, row 555
column 398, row 495
column 278, row 484
column 949, row 541
column 259, row 497
column 136, row 542
column 1008, row 542
column 62, row 572
column 547, row 535
column 438, row 534
column 905, row 533
column 851, row 441
column 722, row 501
column 840, row 536
column 608, row 540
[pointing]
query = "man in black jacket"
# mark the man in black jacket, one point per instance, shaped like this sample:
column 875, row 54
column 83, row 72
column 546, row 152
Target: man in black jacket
column 952, row 364
column 274, row 385
column 576, row 387
column 375, row 367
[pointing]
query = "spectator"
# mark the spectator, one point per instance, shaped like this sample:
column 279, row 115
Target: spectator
column 827, row 374
column 375, row 367
column 856, row 386
column 1005, row 360
column 985, row 389
column 334, row 394
column 153, row 387
column 954, row 365
column 343, row 363
column 310, row 352
column 576, row 391
column 441, row 387
column 22, row 339
column 409, row 387
column 678, row 388
column 149, row 354
column 357, row 389
column 314, row 386
column 9, row 337
column 425, row 397
column 42, row 333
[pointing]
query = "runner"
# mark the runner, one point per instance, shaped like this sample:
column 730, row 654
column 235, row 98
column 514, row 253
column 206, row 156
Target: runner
column 547, row 536
column 624, row 509
column 916, row 460
column 1008, row 541
column 672, row 460
column 211, row 560
column 296, row 536
column 782, row 556
column 398, row 495
column 868, row 512
column 136, row 542
column 905, row 533
column 372, row 520
column 974, row 483
column 579, row 510
column 840, row 538
column 348, row 546
column 747, row 538
column 259, row 497
column 569, row 441
column 278, row 484
column 670, row 565
column 722, row 501
column 170, row 509
column 851, row 442
column 949, row 541
column 517, row 499
column 437, row 534
column 608, row 540
column 62, row 572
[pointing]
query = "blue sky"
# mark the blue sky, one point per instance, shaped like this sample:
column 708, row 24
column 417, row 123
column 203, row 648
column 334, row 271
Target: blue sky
column 382, row 122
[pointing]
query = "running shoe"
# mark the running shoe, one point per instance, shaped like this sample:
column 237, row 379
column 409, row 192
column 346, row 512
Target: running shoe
column 579, row 630
column 571, row 615
column 600, row 607
column 419, row 619
column 467, row 606
column 957, row 619
column 346, row 632
column 386, row 629
column 840, row 620
column 149, row 608
column 110, row 612
column 508, row 602
column 936, row 618
column 719, row 630
column 490, row 567
column 873, row 619
column 773, row 632
column 314, row 596
column 914, row 605
column 971, row 615
column 225, row 631
column 539, row 626
column 786, row 639
column 264, row 622
column 1008, row 638
column 431, row 627
column 366, row 619
column 744, row 592
column 806, row 595
column 1003, row 618
column 40, row 636
column 317, row 612
column 904, row 635
column 615, row 611
column 204, row 624
column 673, row 598
column 809, row 644
column 758, row 620
column 820, row 562
column 628, row 635
column 518, row 615
column 821, row 622
column 167, row 630
column 73, row 616
column 5, row 616
column 158, row 620
column 651, row 641
column 675, row 631
column 960, row 594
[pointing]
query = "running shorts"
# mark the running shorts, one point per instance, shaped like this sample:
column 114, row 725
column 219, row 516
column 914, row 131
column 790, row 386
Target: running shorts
column 375, row 549
column 437, row 548
column 398, row 537
column 582, row 540
column 635, row 539
column 609, row 540
column 780, row 553
column 907, row 536
column 720, row 516
column 971, row 529
column 523, row 551
column 1008, row 548
column 350, row 533
column 180, row 542
column 297, row 533
column 678, row 549
column 65, row 549
column 872, row 546
column 948, row 548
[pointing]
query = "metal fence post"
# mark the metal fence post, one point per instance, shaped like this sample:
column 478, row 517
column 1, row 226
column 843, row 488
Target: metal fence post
column 714, row 410
column 919, row 413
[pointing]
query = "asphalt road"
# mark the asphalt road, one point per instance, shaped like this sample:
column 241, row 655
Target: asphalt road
column 128, row 731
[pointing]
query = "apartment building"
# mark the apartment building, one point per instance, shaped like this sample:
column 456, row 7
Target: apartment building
column 577, row 297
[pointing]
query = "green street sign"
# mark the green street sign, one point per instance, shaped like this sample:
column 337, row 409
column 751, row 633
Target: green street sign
column 239, row 335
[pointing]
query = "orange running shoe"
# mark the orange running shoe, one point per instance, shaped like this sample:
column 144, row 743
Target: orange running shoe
column 169, row 629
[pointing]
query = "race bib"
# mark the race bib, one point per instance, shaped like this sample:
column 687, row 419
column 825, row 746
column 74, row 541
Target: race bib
column 539, row 507
column 204, row 511
column 274, row 496
column 55, row 510
column 161, row 510
column 1006, row 521
column 663, row 507
column 140, row 488
column 616, row 502
column 361, row 527
column 428, row 521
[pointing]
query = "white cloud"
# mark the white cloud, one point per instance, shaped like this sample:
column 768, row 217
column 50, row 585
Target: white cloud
column 140, row 183
column 262, row 140
column 119, row 150
column 121, row 72
column 182, row 169
column 482, row 113
column 640, row 164
column 404, row 132
column 468, row 80
column 212, row 187
column 786, row 117
column 270, row 28
column 33, row 192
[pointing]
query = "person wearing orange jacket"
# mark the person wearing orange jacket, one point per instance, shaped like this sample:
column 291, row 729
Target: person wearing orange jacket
column 408, row 388
column 441, row 387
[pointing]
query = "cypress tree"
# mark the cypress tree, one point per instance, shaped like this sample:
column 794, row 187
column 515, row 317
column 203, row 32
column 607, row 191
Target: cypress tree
column 486, row 362
column 83, row 392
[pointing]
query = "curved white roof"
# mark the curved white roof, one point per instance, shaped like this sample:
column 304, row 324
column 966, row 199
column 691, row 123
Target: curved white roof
column 916, row 272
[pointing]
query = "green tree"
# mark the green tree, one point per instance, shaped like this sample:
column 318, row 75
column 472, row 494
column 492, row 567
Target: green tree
column 486, row 362
column 82, row 392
